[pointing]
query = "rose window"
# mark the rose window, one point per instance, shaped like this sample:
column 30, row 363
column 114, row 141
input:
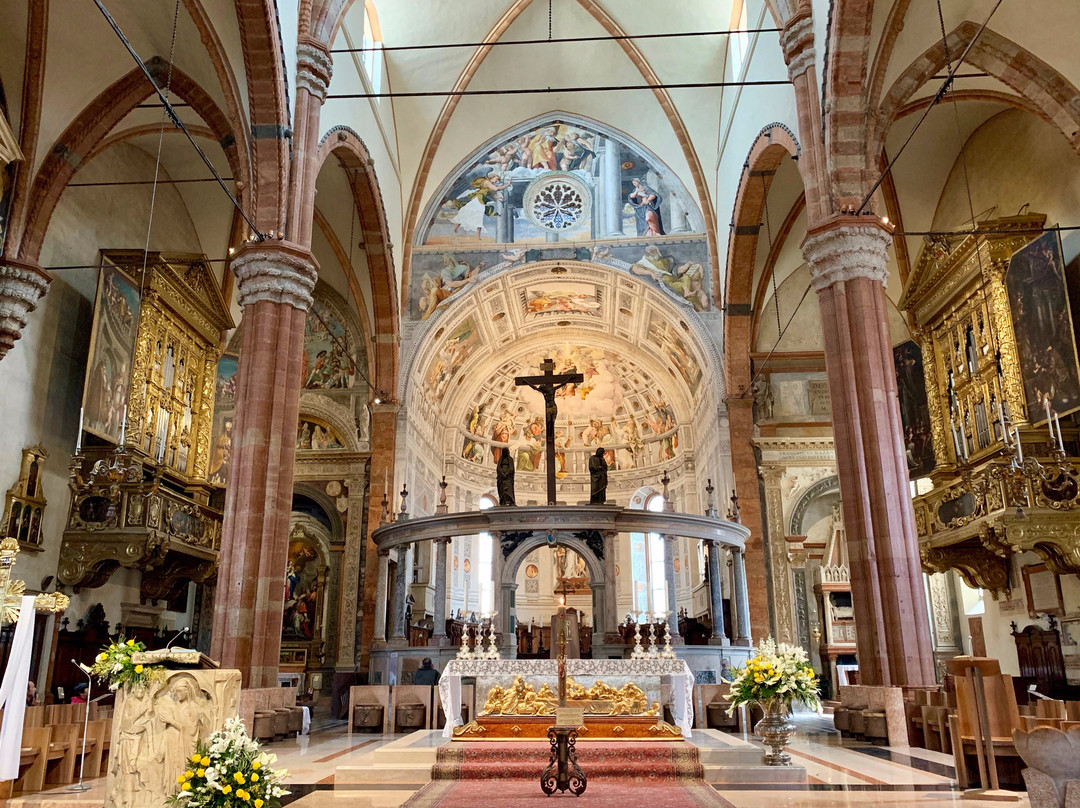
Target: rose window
column 557, row 203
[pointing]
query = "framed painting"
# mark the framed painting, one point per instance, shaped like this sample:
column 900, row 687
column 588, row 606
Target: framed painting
column 112, row 345
column 914, row 412
column 1043, row 328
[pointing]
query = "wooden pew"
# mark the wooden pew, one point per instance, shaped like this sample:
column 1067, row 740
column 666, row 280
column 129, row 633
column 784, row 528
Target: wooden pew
column 33, row 760
column 986, row 715
column 62, row 751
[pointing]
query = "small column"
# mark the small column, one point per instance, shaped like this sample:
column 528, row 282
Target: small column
column 438, row 636
column 504, row 224
column 669, row 577
column 742, row 605
column 398, row 637
column 606, row 624
column 716, row 596
column 611, row 177
column 349, row 617
column 22, row 285
column 381, row 599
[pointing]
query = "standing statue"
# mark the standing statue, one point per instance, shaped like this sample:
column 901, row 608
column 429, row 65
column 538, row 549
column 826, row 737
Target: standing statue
column 504, row 479
column 598, row 477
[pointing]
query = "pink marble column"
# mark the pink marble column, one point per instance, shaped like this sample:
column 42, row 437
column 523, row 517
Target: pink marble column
column 314, row 69
column 274, row 282
column 848, row 268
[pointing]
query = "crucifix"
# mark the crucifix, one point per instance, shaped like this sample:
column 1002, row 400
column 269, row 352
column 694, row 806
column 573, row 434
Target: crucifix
column 546, row 384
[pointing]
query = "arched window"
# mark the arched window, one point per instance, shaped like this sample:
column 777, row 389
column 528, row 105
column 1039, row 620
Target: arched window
column 740, row 42
column 373, row 55
column 484, row 561
column 647, row 565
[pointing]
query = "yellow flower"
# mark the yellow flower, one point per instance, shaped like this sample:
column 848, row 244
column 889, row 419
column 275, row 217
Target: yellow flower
column 195, row 758
column 258, row 803
column 181, row 779
column 101, row 657
column 205, row 761
column 186, row 787
column 138, row 669
column 200, row 772
column 131, row 643
column 256, row 765
column 189, row 774
column 243, row 795
column 239, row 778
column 254, row 777
column 226, row 789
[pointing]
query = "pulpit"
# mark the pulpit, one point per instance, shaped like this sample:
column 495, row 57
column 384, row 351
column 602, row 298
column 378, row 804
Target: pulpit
column 155, row 728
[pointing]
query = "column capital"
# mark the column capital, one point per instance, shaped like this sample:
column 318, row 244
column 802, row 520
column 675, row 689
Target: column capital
column 314, row 67
column 797, row 41
column 846, row 248
column 280, row 272
column 22, row 285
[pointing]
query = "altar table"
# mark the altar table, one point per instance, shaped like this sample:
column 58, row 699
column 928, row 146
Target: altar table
column 681, row 677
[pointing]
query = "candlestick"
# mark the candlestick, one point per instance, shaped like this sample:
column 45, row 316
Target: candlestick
column 123, row 429
column 78, row 438
column 1057, row 423
column 667, row 653
column 652, row 652
column 1019, row 445
column 638, row 651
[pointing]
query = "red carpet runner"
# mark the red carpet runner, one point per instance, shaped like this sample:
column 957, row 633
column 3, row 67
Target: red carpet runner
column 620, row 775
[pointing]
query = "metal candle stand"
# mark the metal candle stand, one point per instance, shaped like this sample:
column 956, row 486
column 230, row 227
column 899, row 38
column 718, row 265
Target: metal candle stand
column 563, row 772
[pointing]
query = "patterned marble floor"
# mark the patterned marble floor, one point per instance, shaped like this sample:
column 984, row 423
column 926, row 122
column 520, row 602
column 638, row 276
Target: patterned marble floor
column 383, row 771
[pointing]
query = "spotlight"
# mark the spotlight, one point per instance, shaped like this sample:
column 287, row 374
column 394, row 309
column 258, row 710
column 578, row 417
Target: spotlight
column 884, row 219
column 378, row 400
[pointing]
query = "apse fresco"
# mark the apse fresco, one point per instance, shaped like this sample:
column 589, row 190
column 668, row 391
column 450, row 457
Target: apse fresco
column 675, row 347
column 116, row 321
column 617, row 406
column 557, row 178
column 224, row 411
column 541, row 300
column 678, row 268
column 453, row 353
column 329, row 350
column 914, row 410
column 1042, row 323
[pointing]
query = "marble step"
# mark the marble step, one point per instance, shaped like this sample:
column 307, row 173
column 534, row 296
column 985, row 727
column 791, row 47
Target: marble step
column 405, row 773
column 747, row 755
column 755, row 774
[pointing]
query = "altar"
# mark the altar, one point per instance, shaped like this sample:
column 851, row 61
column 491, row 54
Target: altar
column 647, row 674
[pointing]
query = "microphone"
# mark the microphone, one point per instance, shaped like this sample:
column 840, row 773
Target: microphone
column 81, row 666
column 179, row 634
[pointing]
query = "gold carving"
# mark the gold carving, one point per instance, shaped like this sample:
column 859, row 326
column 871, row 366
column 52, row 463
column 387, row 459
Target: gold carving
column 600, row 699
column 980, row 568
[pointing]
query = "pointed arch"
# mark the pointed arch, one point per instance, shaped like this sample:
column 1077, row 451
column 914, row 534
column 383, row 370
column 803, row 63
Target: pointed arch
column 350, row 151
column 1057, row 99
column 93, row 125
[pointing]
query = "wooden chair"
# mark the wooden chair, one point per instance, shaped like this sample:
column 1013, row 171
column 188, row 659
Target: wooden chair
column 62, row 751
column 1048, row 713
column 34, row 717
column 986, row 715
column 33, row 760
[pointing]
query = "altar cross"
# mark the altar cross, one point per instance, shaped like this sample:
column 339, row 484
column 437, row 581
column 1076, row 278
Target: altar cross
column 546, row 384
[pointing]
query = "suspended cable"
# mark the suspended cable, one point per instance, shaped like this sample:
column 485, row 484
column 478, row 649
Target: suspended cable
column 550, row 41
column 142, row 182
column 171, row 112
column 98, row 266
column 926, row 112
column 765, row 362
column 694, row 85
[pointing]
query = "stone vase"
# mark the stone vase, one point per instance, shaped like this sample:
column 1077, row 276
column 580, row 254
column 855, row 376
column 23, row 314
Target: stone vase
column 776, row 729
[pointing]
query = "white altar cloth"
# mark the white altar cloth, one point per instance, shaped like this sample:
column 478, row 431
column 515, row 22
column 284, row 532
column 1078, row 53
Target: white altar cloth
column 682, row 680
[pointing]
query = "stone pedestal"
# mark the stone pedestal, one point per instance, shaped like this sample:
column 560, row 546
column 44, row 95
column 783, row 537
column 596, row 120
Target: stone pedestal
column 155, row 729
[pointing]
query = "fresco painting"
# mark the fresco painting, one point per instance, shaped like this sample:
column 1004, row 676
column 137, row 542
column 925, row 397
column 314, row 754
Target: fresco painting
column 541, row 299
column 224, row 412
column 455, row 352
column 329, row 350
column 318, row 437
column 112, row 343
column 1042, row 323
column 675, row 347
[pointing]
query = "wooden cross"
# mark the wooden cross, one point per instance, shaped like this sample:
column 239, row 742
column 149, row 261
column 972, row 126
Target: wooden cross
column 12, row 589
column 546, row 384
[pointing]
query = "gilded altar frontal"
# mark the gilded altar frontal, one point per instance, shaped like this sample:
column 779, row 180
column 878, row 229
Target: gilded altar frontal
column 653, row 404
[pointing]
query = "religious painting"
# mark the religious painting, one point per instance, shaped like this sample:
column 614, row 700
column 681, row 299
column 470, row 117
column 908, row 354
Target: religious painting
column 1043, row 327
column 454, row 353
column 546, row 299
column 301, row 588
column 329, row 350
column 686, row 278
column 666, row 337
column 224, row 413
column 914, row 411
column 437, row 288
column 313, row 436
column 112, row 343
column 532, row 571
column 472, row 449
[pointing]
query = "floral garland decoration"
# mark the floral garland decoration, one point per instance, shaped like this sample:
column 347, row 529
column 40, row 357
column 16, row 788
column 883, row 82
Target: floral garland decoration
column 115, row 665
column 230, row 771
column 777, row 674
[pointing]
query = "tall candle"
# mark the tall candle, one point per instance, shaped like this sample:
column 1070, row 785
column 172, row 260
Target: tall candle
column 78, row 438
column 1057, row 423
column 1019, row 445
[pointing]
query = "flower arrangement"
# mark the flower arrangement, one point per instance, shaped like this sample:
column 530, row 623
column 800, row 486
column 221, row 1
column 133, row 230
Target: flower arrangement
column 230, row 771
column 115, row 666
column 778, row 675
